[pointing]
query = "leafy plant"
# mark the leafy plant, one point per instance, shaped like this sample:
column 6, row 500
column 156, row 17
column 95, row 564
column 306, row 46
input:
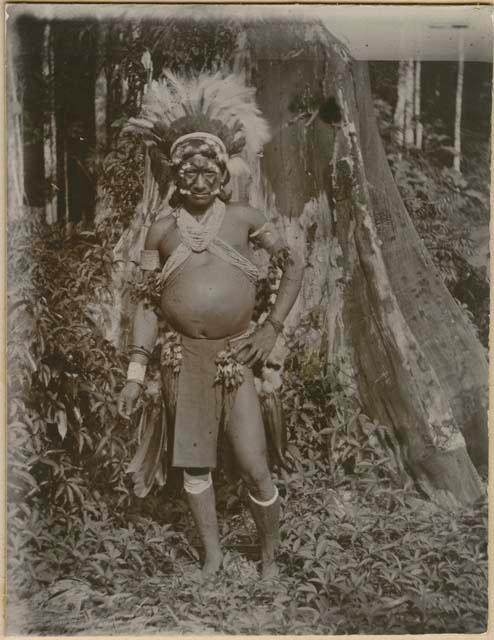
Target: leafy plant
column 67, row 448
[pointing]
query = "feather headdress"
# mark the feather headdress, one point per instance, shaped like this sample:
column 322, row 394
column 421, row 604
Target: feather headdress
column 221, row 107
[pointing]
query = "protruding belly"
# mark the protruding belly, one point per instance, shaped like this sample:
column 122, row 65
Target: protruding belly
column 208, row 298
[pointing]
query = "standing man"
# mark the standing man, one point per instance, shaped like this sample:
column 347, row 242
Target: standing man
column 199, row 278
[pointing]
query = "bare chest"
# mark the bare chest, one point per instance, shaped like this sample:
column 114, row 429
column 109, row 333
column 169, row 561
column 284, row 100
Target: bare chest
column 232, row 232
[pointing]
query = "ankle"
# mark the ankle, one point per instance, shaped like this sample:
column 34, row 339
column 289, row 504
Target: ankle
column 269, row 569
column 212, row 562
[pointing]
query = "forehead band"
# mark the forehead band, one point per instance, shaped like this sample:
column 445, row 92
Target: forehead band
column 210, row 139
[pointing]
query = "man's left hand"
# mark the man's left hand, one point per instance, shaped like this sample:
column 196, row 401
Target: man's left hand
column 257, row 346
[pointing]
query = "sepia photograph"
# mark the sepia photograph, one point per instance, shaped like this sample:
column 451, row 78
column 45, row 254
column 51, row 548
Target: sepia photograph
column 248, row 290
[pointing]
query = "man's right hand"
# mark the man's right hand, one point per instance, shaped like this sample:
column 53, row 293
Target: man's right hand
column 127, row 400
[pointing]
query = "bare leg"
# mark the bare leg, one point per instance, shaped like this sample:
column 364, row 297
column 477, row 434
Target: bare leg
column 203, row 507
column 248, row 441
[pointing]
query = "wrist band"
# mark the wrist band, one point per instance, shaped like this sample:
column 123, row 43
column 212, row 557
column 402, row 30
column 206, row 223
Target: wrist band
column 134, row 350
column 141, row 384
column 136, row 372
column 277, row 326
column 150, row 260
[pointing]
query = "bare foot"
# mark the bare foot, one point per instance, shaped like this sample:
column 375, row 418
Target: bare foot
column 212, row 564
column 270, row 570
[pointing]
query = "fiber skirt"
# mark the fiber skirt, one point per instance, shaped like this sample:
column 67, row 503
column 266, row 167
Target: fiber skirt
column 183, row 424
column 199, row 378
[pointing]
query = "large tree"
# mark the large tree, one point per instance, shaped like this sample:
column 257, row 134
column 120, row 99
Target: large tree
column 418, row 365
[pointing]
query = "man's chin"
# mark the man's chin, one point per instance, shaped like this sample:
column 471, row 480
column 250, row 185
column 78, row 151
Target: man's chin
column 199, row 201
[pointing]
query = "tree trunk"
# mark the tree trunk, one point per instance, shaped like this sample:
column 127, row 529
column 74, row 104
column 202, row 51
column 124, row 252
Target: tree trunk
column 100, row 98
column 418, row 104
column 434, row 317
column 409, row 104
column 458, row 108
column 401, row 96
column 50, row 127
column 15, row 164
column 385, row 312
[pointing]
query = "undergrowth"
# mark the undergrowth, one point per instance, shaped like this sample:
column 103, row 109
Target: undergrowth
column 359, row 557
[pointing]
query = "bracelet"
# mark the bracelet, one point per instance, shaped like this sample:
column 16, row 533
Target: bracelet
column 136, row 372
column 277, row 326
column 141, row 384
column 150, row 259
column 135, row 350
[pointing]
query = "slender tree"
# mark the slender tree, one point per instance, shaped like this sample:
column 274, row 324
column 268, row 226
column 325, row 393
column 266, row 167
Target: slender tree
column 418, row 104
column 15, row 169
column 459, row 103
column 409, row 104
column 50, row 126
column 399, row 113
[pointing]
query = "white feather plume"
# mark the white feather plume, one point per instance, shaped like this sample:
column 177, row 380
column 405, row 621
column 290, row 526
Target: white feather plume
column 216, row 97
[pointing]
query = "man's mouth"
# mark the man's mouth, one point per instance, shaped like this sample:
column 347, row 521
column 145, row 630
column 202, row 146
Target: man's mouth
column 200, row 196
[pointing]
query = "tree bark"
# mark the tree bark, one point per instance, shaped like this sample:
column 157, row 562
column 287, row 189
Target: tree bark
column 50, row 127
column 399, row 114
column 15, row 165
column 418, row 366
column 418, row 104
column 433, row 315
column 409, row 104
column 458, row 108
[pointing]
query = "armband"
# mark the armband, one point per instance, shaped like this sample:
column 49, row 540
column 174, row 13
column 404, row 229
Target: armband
column 136, row 372
column 277, row 326
column 148, row 290
column 150, row 260
column 141, row 351
column 266, row 236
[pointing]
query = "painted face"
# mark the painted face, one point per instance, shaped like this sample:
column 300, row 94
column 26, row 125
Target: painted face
column 199, row 181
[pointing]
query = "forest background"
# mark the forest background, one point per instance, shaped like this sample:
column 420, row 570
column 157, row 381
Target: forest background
column 363, row 550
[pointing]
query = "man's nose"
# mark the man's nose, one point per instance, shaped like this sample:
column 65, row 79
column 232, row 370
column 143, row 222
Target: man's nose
column 200, row 182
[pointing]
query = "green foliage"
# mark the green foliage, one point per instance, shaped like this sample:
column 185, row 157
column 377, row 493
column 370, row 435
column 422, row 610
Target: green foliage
column 182, row 46
column 122, row 178
column 67, row 448
column 328, row 430
column 374, row 559
column 95, row 549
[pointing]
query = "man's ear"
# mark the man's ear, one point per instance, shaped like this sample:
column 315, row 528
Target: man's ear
column 225, row 178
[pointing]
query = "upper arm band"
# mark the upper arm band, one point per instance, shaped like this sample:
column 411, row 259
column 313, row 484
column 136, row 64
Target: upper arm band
column 150, row 259
column 267, row 236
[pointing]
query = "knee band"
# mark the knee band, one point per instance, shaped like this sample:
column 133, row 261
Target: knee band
column 197, row 484
column 266, row 503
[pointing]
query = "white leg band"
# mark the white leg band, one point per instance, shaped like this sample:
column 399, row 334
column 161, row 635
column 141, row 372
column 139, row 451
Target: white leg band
column 268, row 503
column 197, row 484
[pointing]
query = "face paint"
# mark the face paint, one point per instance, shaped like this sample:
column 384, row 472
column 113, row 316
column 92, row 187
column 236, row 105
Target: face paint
column 190, row 171
column 199, row 181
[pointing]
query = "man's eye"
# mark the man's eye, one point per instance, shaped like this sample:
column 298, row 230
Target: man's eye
column 190, row 175
column 210, row 175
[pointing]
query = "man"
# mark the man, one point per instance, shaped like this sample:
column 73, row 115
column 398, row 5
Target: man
column 204, row 286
